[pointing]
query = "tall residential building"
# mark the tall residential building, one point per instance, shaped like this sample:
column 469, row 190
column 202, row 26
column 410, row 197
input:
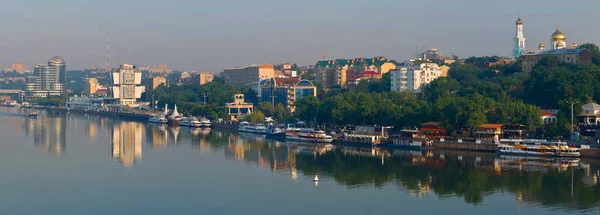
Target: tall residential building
column 287, row 91
column 127, row 84
column 242, row 76
column 158, row 80
column 519, row 40
column 18, row 67
column 91, row 86
column 206, row 77
column 414, row 75
column 48, row 80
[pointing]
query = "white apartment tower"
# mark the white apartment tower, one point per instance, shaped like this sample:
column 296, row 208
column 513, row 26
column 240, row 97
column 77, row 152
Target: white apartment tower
column 414, row 75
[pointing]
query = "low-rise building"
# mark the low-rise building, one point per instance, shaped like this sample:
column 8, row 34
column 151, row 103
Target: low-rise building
column 286, row 91
column 433, row 130
column 576, row 56
column 238, row 108
column 549, row 116
column 514, row 131
column 414, row 75
column 489, row 132
column 590, row 115
column 241, row 76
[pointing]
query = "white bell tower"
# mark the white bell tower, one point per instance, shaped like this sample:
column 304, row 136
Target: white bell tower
column 519, row 40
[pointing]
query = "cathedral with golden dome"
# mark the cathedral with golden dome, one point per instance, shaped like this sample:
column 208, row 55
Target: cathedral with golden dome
column 558, row 40
column 558, row 48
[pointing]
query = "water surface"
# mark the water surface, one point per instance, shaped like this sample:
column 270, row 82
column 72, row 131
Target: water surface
column 63, row 163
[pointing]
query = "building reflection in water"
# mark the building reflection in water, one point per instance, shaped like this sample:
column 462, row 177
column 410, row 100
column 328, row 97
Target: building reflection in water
column 127, row 142
column 158, row 136
column 48, row 132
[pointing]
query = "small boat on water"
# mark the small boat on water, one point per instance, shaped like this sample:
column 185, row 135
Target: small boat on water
column 275, row 132
column 159, row 119
column 205, row 123
column 33, row 114
column 316, row 178
column 190, row 122
column 538, row 147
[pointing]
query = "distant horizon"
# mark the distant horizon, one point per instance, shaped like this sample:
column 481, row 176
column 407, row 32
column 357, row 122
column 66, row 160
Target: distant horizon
column 211, row 36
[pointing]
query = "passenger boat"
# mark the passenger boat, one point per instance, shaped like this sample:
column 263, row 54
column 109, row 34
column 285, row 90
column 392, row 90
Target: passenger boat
column 308, row 134
column 410, row 139
column 366, row 136
column 246, row 127
column 190, row 122
column 205, row 123
column 26, row 105
column 538, row 148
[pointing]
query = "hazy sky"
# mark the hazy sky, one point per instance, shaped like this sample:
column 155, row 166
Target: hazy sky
column 211, row 35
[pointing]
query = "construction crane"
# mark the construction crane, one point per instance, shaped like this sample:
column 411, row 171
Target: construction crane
column 421, row 49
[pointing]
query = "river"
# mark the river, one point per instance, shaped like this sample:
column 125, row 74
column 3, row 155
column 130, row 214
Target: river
column 68, row 163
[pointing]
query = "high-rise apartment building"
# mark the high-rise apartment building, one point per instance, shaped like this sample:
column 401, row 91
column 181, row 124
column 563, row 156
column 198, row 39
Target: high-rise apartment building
column 48, row 80
column 158, row 80
column 206, row 77
column 414, row 75
column 18, row 67
column 91, row 86
column 127, row 84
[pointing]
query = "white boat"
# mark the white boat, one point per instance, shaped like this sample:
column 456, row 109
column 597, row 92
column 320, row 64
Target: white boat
column 160, row 119
column 308, row 134
column 250, row 128
column 204, row 122
column 33, row 114
column 189, row 122
column 538, row 148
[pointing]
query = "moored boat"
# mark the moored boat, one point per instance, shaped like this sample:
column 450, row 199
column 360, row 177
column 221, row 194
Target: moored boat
column 189, row 122
column 538, row 148
column 274, row 132
column 309, row 135
column 410, row 139
column 159, row 119
column 204, row 122
column 33, row 114
column 247, row 127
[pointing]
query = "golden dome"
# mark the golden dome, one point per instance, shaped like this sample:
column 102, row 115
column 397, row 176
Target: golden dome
column 558, row 35
column 519, row 21
column 541, row 45
column 574, row 45
column 559, row 45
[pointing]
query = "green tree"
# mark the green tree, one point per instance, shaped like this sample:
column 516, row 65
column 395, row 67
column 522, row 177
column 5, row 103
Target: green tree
column 267, row 108
column 307, row 108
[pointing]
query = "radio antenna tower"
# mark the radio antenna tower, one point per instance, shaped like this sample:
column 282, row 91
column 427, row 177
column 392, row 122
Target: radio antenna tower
column 107, row 62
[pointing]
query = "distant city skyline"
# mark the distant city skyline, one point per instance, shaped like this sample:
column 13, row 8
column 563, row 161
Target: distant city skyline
column 211, row 36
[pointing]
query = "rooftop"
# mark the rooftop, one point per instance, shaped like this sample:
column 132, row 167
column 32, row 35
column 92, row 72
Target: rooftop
column 556, row 51
column 490, row 126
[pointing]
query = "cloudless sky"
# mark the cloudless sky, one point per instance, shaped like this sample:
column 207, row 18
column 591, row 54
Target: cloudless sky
column 212, row 35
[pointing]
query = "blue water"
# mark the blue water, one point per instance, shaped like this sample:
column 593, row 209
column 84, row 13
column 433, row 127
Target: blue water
column 80, row 164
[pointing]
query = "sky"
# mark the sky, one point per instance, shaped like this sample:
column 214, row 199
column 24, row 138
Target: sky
column 212, row 35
